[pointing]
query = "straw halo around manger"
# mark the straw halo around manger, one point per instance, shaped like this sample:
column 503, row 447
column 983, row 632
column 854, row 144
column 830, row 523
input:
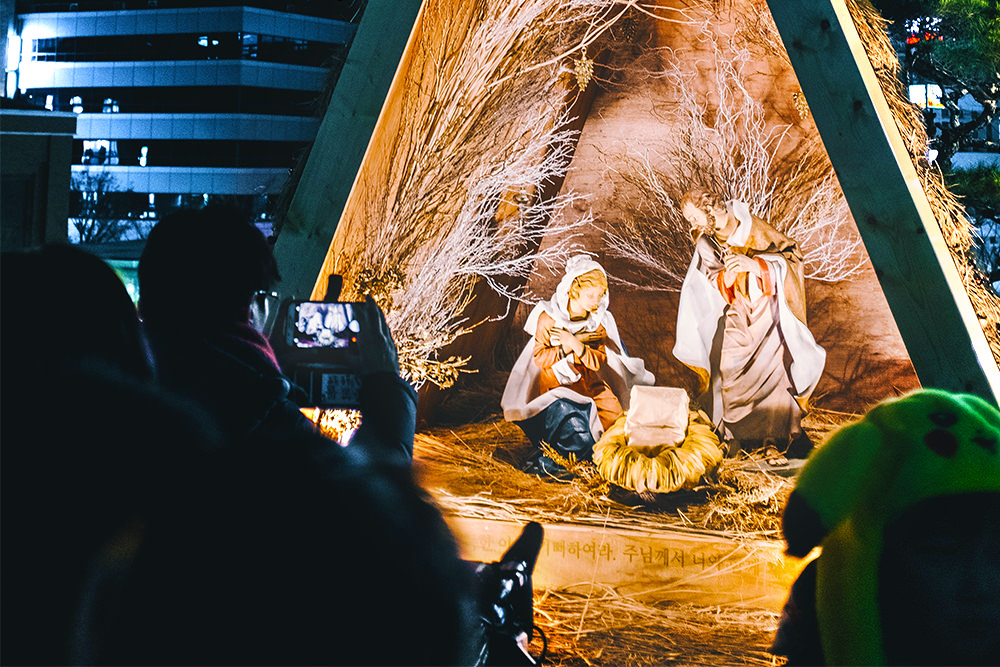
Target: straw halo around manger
column 669, row 468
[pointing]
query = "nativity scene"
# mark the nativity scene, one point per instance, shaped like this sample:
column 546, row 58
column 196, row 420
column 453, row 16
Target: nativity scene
column 630, row 286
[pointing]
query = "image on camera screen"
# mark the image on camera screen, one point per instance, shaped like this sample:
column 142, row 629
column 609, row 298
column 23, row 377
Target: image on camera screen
column 320, row 324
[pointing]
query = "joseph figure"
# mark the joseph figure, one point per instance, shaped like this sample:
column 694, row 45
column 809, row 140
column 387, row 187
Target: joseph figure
column 741, row 326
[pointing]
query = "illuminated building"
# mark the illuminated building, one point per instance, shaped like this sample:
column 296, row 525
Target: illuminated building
column 178, row 103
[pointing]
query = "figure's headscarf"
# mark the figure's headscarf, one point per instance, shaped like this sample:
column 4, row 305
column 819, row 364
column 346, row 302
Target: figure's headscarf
column 558, row 305
column 926, row 444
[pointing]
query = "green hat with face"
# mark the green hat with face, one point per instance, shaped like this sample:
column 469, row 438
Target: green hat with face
column 922, row 445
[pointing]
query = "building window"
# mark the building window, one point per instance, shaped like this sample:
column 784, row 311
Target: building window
column 185, row 46
column 249, row 45
column 100, row 151
column 43, row 49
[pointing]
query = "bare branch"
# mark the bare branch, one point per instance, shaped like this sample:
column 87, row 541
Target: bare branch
column 457, row 198
column 722, row 141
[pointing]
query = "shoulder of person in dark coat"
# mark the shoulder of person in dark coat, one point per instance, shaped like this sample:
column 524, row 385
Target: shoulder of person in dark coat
column 303, row 553
column 242, row 388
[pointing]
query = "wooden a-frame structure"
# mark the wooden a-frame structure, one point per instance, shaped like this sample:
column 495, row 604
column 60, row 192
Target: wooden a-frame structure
column 924, row 290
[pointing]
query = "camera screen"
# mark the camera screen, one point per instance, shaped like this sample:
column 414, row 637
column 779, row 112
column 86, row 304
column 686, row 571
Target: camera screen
column 320, row 324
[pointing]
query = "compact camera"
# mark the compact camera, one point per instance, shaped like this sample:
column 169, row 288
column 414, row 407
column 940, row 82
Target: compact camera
column 319, row 346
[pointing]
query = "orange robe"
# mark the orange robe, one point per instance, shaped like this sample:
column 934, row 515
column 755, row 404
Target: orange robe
column 588, row 366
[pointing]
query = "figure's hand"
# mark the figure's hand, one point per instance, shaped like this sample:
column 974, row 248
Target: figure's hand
column 736, row 264
column 567, row 341
column 589, row 337
column 556, row 336
column 378, row 350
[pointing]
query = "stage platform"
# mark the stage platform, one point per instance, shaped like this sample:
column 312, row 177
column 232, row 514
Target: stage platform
column 697, row 577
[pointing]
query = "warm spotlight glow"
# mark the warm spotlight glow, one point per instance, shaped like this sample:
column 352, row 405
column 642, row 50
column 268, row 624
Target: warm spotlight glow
column 338, row 425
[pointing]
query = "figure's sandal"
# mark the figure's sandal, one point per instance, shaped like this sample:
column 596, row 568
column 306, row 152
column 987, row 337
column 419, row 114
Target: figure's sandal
column 773, row 457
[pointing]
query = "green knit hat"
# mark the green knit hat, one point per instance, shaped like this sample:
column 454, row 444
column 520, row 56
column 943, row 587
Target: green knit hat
column 922, row 445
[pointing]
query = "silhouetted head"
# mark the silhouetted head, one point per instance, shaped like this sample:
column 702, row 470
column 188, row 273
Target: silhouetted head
column 62, row 305
column 201, row 268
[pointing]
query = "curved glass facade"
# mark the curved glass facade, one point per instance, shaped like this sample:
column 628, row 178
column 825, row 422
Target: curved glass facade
column 191, row 46
column 178, row 102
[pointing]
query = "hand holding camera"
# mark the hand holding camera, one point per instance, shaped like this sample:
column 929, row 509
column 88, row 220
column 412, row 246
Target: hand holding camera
column 378, row 350
column 327, row 347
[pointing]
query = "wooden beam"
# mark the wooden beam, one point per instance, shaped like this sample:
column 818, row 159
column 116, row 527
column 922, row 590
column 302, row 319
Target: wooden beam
column 922, row 285
column 369, row 73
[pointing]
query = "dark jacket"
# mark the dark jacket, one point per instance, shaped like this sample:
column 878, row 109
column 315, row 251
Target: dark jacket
column 87, row 450
column 233, row 374
column 292, row 550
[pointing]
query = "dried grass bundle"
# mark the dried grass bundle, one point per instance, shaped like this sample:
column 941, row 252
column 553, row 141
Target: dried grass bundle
column 472, row 471
column 755, row 28
column 948, row 211
column 335, row 424
column 746, row 501
column 871, row 27
column 598, row 626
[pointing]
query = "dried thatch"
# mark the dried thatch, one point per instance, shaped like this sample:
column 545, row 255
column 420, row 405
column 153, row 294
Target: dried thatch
column 473, row 470
column 601, row 627
column 948, row 211
column 470, row 470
